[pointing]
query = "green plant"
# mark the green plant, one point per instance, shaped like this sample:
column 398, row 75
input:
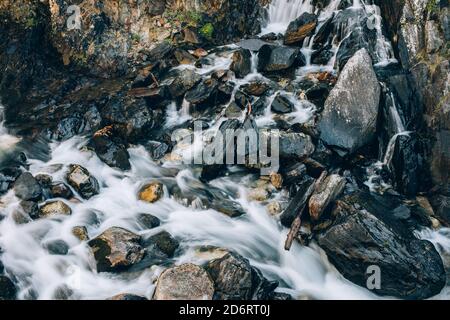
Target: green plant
column 207, row 31
column 432, row 6
column 135, row 37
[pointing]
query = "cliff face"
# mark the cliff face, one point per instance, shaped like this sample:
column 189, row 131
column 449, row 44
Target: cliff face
column 420, row 31
column 107, row 37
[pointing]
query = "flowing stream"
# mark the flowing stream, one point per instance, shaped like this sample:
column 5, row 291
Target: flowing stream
column 303, row 272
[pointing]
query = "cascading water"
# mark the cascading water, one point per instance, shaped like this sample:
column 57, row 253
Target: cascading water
column 282, row 12
column 302, row 272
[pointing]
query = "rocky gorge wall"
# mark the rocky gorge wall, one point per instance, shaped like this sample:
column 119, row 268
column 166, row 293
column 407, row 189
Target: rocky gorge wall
column 420, row 30
column 113, row 35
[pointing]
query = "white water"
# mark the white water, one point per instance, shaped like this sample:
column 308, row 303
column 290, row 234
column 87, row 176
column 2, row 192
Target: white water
column 282, row 12
column 302, row 272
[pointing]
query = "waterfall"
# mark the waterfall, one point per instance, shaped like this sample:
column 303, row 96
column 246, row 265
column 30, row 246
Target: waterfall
column 400, row 131
column 282, row 12
column 7, row 142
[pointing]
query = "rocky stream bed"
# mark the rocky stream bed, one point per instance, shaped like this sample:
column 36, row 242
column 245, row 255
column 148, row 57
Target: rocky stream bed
column 98, row 201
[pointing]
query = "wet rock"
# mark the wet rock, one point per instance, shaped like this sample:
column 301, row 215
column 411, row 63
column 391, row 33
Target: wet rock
column 299, row 202
column 410, row 268
column 235, row 279
column 406, row 161
column 252, row 44
column 322, row 57
column 81, row 233
column 44, row 180
column 206, row 91
column 185, row 282
column 57, row 247
column 152, row 192
column 184, row 57
column 300, row 28
column 233, row 111
column 441, row 206
column 179, row 82
column 256, row 88
column 276, row 58
column 25, row 211
column 259, row 194
column 60, row 190
column 116, row 249
column 292, row 145
column 27, row 187
column 111, row 149
column 357, row 40
column 148, row 221
column 349, row 119
column 228, row 207
column 293, row 172
column 157, row 149
column 54, row 208
column 326, row 192
column 164, row 242
column 242, row 63
column 127, row 297
column 274, row 208
column 324, row 34
column 7, row 178
column 81, row 180
column 282, row 104
column 8, row 290
column 276, row 180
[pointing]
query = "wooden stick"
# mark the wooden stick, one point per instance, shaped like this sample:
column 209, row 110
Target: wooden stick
column 295, row 228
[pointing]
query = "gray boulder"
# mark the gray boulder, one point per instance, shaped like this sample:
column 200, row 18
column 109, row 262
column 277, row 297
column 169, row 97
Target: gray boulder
column 349, row 119
column 364, row 236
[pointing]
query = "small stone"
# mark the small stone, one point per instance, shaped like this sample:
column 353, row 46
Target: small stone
column 152, row 192
column 148, row 221
column 60, row 190
column 54, row 208
column 57, row 247
column 185, row 282
column 259, row 194
column 82, row 181
column 81, row 233
column 274, row 208
column 277, row 180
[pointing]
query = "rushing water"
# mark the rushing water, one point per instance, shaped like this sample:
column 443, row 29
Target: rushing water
column 302, row 272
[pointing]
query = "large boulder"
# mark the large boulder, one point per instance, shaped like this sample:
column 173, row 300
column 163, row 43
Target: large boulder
column 349, row 119
column 81, row 180
column 116, row 249
column 185, row 282
column 300, row 28
column 236, row 279
column 364, row 236
column 273, row 58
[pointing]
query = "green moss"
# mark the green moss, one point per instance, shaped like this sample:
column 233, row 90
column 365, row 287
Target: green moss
column 207, row 31
column 432, row 6
column 191, row 18
column 136, row 37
